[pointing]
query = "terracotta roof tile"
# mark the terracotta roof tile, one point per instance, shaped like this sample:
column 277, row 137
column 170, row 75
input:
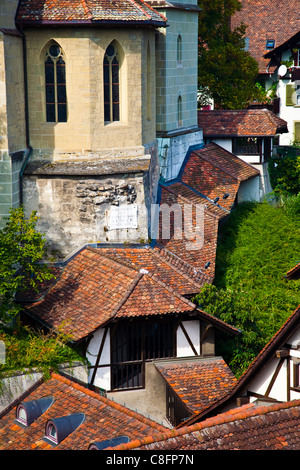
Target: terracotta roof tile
column 246, row 428
column 245, row 122
column 267, row 19
column 31, row 12
column 94, row 288
column 199, row 383
column 215, row 172
column 104, row 419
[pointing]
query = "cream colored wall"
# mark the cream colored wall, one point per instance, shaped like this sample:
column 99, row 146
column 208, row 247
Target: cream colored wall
column 85, row 133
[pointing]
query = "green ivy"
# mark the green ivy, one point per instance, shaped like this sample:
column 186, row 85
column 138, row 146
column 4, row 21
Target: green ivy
column 256, row 248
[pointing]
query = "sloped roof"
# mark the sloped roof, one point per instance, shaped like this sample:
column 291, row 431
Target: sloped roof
column 274, row 427
column 243, row 122
column 198, row 382
column 198, row 248
column 104, row 419
column 261, row 360
column 267, row 19
column 210, row 178
column 215, row 172
column 74, row 12
column 93, row 289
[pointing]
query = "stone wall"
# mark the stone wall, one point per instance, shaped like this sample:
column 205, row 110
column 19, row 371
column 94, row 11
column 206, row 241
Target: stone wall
column 78, row 203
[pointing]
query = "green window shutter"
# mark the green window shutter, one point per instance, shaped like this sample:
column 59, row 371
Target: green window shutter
column 289, row 95
column 297, row 131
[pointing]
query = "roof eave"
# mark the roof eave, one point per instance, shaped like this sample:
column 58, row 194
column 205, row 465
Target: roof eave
column 88, row 22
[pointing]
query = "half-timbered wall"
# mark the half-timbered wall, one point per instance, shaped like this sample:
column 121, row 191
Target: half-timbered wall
column 117, row 354
column 279, row 380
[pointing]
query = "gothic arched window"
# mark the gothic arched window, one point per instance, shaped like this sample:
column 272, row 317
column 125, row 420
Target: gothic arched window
column 179, row 49
column 179, row 111
column 55, row 82
column 111, row 85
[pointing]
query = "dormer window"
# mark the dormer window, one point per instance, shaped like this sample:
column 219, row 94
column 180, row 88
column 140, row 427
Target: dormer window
column 28, row 412
column 115, row 441
column 58, row 429
column 270, row 43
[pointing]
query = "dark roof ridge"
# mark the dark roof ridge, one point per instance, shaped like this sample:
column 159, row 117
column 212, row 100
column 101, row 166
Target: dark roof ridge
column 167, row 253
column 108, row 402
column 177, row 269
column 235, row 414
column 127, row 294
column 184, row 198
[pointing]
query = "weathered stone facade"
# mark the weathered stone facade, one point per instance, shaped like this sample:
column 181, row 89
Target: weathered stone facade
column 77, row 201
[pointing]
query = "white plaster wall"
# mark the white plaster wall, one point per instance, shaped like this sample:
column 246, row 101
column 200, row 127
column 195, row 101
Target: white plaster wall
column 279, row 389
column 192, row 328
column 250, row 190
column 102, row 379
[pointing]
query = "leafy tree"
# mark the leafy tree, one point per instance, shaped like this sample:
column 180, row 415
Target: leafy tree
column 21, row 252
column 225, row 68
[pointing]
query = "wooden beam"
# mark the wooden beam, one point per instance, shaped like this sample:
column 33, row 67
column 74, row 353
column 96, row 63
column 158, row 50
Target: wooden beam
column 188, row 339
column 99, row 355
column 282, row 353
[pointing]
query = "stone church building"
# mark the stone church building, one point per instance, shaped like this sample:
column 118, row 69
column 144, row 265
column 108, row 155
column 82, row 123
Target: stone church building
column 97, row 102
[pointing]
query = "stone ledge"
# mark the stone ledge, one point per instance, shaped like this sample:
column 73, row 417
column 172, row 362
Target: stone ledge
column 89, row 168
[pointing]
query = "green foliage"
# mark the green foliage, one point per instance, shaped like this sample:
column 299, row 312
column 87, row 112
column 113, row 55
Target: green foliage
column 284, row 173
column 258, row 245
column 224, row 67
column 28, row 349
column 21, row 253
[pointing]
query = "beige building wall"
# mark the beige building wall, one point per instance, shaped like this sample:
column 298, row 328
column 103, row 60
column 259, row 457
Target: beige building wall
column 85, row 133
column 12, row 109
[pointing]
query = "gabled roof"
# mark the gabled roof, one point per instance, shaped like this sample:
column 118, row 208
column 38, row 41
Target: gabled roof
column 198, row 382
column 274, row 427
column 104, row 419
column 87, row 12
column 93, row 289
column 215, row 172
column 240, row 123
column 267, row 19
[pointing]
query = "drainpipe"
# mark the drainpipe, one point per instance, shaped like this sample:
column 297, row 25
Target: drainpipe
column 28, row 151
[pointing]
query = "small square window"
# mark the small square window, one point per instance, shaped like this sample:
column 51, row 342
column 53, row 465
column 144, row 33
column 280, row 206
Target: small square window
column 270, row 43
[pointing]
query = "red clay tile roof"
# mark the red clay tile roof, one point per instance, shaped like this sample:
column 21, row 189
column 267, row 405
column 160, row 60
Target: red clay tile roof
column 267, row 19
column 294, row 273
column 204, row 246
column 164, row 264
column 104, row 419
column 274, row 427
column 245, row 122
column 198, row 382
column 36, row 12
column 94, row 288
